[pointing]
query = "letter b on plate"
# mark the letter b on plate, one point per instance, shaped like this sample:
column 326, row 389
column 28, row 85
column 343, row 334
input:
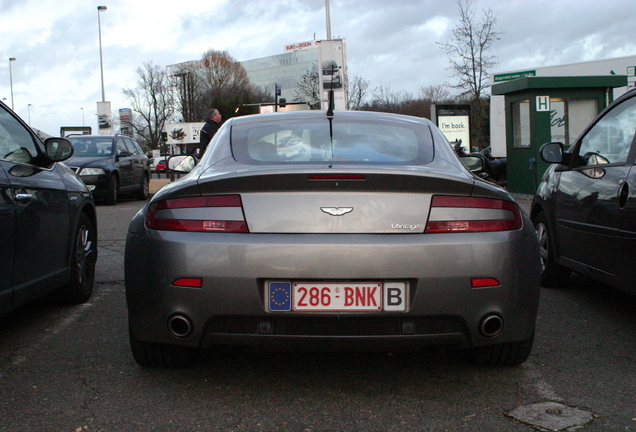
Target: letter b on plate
column 395, row 296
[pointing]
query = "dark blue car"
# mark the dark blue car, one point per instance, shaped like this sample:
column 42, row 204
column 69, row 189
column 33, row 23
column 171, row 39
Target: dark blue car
column 48, row 226
column 110, row 165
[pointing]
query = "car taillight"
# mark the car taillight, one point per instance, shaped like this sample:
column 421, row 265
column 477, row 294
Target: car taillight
column 217, row 213
column 467, row 214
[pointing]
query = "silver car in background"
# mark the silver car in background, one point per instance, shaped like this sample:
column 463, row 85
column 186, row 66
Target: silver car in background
column 353, row 230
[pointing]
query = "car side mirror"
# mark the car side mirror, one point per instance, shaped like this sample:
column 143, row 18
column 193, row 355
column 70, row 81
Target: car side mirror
column 124, row 154
column 58, row 149
column 181, row 164
column 552, row 152
column 473, row 163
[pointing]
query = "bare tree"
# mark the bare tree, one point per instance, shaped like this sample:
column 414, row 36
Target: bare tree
column 188, row 87
column 356, row 88
column 435, row 94
column 224, row 84
column 153, row 103
column 308, row 88
column 468, row 50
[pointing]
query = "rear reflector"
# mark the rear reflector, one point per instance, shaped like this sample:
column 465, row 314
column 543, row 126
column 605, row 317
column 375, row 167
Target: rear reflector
column 188, row 282
column 484, row 282
column 189, row 214
column 467, row 214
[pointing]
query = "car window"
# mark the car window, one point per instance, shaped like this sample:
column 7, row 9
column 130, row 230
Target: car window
column 610, row 139
column 16, row 142
column 131, row 146
column 91, row 146
column 121, row 146
column 137, row 147
column 352, row 141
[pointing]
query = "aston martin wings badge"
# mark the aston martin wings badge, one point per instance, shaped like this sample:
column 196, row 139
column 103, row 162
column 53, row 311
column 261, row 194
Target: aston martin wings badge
column 337, row 211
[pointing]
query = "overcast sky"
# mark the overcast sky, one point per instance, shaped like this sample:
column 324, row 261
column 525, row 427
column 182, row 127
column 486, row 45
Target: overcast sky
column 391, row 43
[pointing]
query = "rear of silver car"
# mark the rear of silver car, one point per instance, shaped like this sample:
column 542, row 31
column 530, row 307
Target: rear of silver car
column 370, row 256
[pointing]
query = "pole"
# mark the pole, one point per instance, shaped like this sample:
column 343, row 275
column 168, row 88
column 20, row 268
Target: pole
column 328, row 20
column 101, row 62
column 29, row 113
column 11, row 59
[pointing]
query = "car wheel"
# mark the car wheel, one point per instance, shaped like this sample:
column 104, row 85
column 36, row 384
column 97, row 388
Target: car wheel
column 505, row 354
column 83, row 262
column 113, row 190
column 144, row 190
column 152, row 355
column 553, row 275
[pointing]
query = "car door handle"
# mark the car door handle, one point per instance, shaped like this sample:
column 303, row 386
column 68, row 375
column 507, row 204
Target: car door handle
column 23, row 196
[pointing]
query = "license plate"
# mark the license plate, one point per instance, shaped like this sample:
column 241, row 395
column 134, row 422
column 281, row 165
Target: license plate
column 337, row 296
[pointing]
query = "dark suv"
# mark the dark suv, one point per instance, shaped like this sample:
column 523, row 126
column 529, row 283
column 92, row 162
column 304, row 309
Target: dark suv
column 110, row 165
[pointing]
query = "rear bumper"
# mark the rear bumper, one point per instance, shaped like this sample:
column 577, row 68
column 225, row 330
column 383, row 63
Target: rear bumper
column 230, row 308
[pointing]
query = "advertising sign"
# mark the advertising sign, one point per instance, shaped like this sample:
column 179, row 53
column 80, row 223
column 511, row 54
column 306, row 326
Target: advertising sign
column 183, row 133
column 453, row 120
column 456, row 128
column 125, row 120
column 332, row 67
column 301, row 46
column 104, row 118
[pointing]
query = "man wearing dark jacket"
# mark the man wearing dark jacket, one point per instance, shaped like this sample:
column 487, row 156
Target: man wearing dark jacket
column 209, row 129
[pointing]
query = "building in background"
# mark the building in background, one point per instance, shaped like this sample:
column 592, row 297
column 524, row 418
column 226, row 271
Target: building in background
column 327, row 57
column 617, row 66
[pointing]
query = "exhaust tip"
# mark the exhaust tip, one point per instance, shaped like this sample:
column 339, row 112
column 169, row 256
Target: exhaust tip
column 491, row 325
column 180, row 326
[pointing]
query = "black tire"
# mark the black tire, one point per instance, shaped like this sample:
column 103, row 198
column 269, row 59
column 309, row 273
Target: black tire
column 157, row 355
column 505, row 354
column 144, row 190
column 83, row 259
column 553, row 275
column 113, row 190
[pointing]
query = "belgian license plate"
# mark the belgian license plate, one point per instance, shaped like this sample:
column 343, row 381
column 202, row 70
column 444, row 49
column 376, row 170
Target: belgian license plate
column 337, row 296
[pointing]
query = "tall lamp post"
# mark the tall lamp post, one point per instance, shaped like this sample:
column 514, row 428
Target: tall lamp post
column 11, row 59
column 82, row 116
column 101, row 63
column 29, row 113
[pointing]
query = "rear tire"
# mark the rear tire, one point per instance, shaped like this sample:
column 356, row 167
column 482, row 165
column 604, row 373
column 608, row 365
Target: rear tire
column 505, row 354
column 83, row 260
column 553, row 275
column 113, row 190
column 157, row 355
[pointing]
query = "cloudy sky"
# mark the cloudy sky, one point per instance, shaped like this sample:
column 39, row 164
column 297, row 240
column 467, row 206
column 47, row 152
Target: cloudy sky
column 391, row 43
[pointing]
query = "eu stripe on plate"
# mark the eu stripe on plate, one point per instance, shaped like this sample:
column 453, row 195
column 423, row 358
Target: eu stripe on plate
column 279, row 296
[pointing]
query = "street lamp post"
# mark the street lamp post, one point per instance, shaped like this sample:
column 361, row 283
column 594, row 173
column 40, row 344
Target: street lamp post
column 29, row 113
column 82, row 116
column 11, row 59
column 101, row 63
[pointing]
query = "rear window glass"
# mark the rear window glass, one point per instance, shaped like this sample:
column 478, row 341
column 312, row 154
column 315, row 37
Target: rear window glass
column 347, row 141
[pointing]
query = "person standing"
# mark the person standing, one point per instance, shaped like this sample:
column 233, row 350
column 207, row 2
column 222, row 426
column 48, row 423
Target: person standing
column 212, row 124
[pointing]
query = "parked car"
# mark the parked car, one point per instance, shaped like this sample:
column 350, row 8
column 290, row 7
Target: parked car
column 48, row 228
column 161, row 166
column 585, row 206
column 342, row 231
column 110, row 165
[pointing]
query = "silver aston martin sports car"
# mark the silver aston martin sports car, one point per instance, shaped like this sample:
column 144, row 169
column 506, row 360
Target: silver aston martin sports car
column 354, row 230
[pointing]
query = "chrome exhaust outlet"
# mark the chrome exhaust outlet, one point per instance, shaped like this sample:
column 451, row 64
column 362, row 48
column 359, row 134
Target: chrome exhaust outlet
column 180, row 326
column 491, row 325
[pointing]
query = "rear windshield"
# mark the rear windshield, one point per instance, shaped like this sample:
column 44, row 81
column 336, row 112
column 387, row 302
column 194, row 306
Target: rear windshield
column 347, row 141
